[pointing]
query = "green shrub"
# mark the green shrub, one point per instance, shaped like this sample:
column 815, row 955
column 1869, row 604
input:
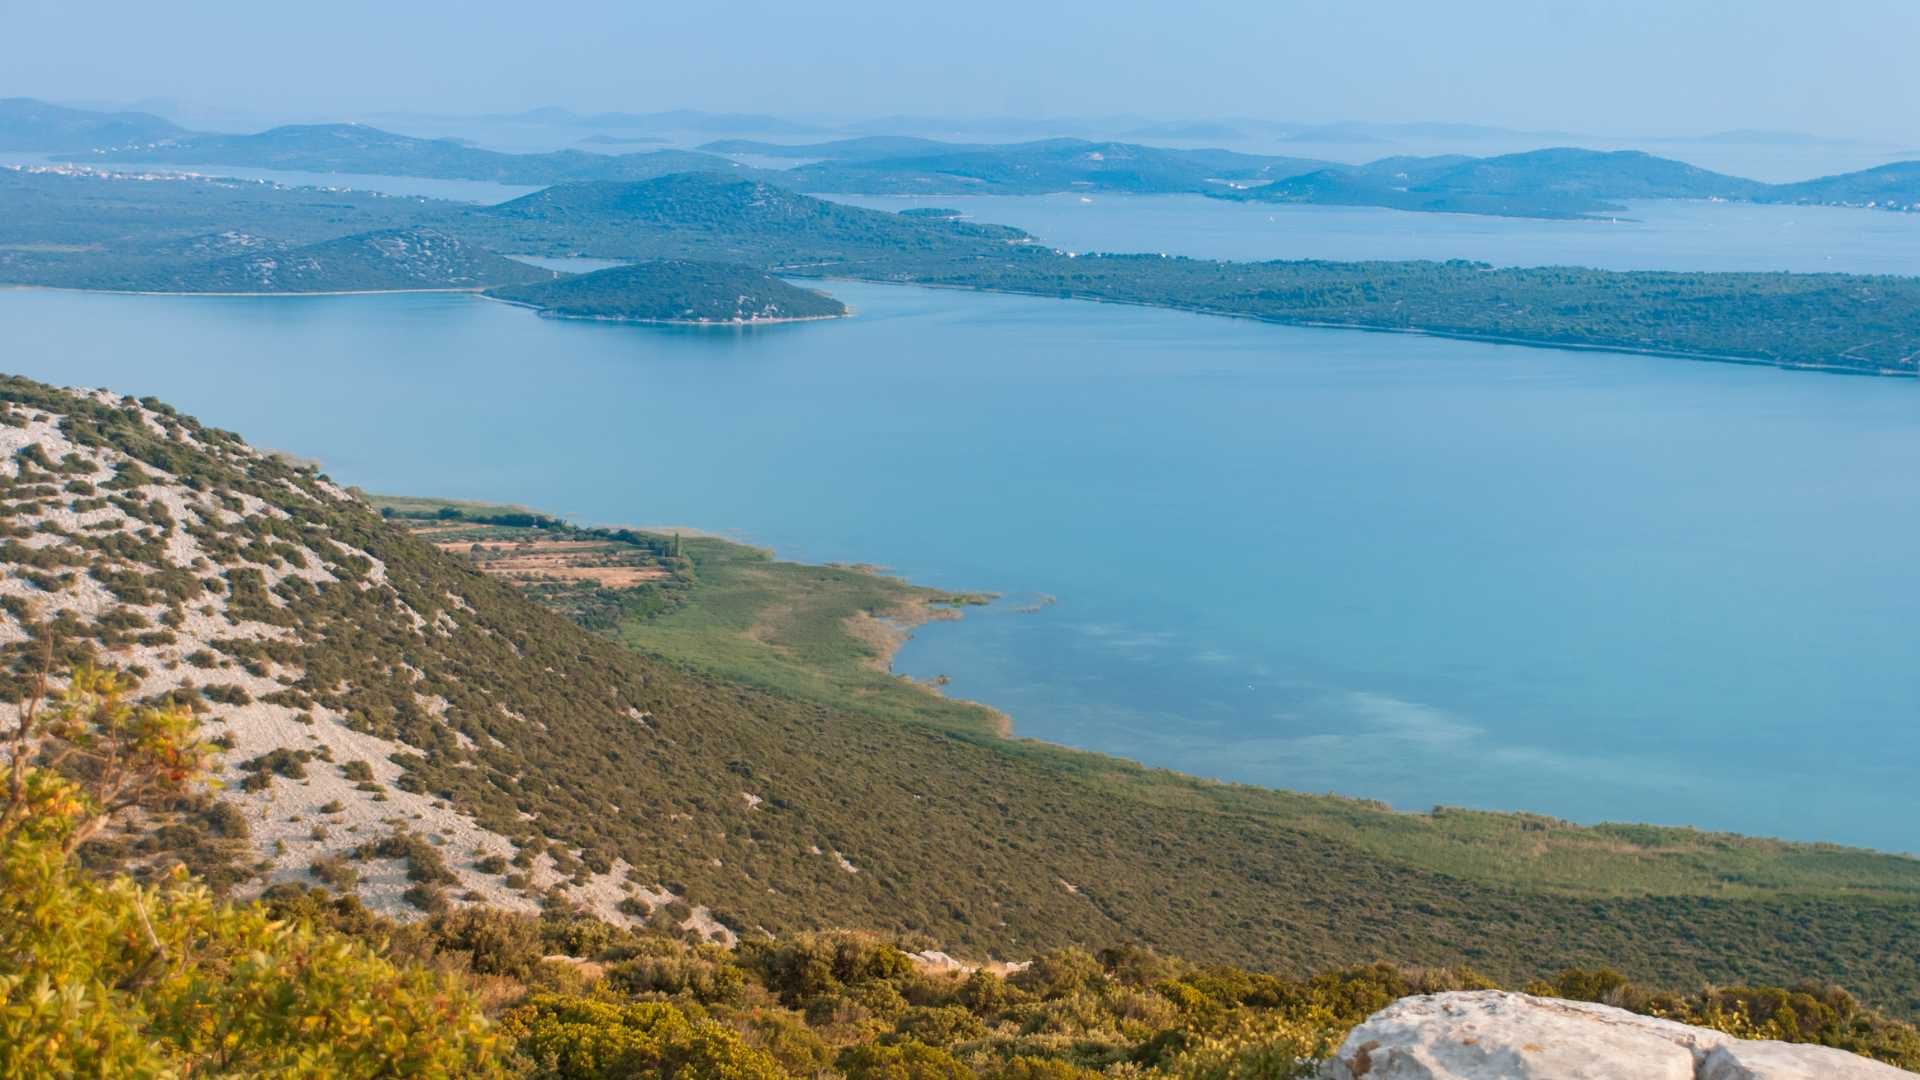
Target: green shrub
column 570, row 1038
column 905, row 1060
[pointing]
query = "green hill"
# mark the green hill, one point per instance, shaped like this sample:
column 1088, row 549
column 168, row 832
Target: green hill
column 675, row 291
column 699, row 216
column 379, row 695
column 392, row 259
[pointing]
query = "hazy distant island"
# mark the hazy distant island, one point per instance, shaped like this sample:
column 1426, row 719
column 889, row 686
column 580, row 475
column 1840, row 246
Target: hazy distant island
column 679, row 291
column 1556, row 182
column 358, row 148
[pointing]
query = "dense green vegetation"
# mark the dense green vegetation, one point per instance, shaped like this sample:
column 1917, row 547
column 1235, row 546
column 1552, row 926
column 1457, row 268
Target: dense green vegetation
column 674, row 291
column 94, row 231
column 106, row 976
column 856, row 1005
column 696, row 216
column 1839, row 321
column 1217, row 865
column 1845, row 322
column 388, row 260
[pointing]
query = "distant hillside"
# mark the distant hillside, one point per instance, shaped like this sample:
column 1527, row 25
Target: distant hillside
column 387, row 260
column 671, row 120
column 1539, row 183
column 358, row 148
column 864, row 148
column 675, row 291
column 391, row 711
column 1892, row 187
column 391, row 259
column 1558, row 182
column 27, row 124
column 1046, row 166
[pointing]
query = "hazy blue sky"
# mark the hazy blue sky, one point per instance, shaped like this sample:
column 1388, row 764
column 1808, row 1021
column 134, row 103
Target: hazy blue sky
column 1609, row 66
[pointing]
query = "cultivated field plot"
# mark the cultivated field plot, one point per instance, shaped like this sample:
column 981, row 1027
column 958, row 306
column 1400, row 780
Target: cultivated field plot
column 590, row 576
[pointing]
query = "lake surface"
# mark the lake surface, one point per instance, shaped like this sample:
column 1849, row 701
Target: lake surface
column 1656, row 235
column 1595, row 586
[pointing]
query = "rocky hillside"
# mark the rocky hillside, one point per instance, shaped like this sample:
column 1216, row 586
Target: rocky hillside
column 400, row 725
column 675, row 291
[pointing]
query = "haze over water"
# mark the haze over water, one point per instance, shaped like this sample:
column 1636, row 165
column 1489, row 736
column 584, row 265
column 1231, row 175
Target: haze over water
column 1596, row 586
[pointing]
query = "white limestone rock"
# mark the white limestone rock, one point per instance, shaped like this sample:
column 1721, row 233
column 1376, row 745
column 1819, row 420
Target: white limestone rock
column 1493, row 1035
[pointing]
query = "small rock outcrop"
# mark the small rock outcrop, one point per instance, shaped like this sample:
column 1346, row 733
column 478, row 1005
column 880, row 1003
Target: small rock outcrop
column 1494, row 1035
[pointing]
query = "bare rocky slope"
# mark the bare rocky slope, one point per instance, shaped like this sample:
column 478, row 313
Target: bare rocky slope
column 399, row 724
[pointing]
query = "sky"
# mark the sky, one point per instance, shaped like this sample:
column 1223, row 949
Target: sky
column 1648, row 67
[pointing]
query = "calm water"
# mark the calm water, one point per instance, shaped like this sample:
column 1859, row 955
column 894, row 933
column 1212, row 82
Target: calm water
column 1656, row 235
column 1425, row 571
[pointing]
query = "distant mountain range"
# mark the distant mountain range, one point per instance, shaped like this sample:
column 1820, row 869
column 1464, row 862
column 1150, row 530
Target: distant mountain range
column 1557, row 182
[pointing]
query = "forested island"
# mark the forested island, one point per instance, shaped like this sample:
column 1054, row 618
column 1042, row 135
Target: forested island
column 105, row 231
column 674, row 291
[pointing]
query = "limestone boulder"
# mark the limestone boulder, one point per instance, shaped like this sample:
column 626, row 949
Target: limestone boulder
column 1494, row 1035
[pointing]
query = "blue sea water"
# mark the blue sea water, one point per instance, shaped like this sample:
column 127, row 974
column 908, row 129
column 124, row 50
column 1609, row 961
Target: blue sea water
column 1666, row 234
column 1425, row 571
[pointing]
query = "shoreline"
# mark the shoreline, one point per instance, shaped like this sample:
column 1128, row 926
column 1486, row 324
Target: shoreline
column 890, row 632
column 549, row 313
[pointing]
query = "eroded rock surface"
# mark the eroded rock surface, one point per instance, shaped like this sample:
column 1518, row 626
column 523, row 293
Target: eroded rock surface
column 1494, row 1035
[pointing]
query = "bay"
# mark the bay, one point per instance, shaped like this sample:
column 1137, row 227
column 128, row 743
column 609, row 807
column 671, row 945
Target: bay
column 1594, row 586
